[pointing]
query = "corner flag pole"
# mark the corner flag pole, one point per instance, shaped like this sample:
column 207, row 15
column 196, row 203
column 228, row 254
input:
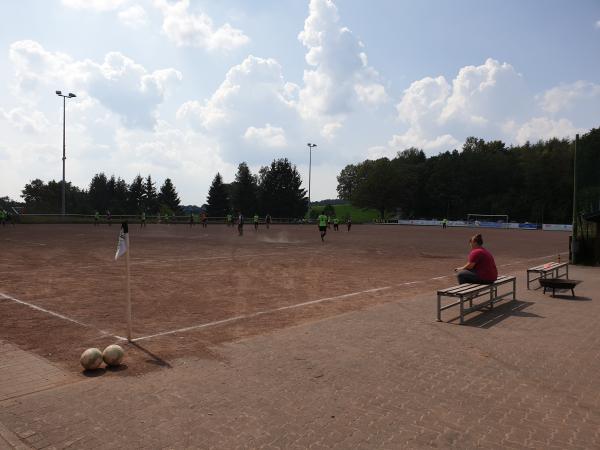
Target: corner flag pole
column 128, row 290
column 123, row 249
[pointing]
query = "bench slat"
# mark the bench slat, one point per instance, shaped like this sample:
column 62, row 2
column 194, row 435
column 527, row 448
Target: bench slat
column 470, row 288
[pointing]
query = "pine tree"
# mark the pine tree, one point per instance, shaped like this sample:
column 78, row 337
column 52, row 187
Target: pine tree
column 136, row 196
column 98, row 193
column 168, row 196
column 280, row 190
column 150, row 195
column 244, row 191
column 217, row 201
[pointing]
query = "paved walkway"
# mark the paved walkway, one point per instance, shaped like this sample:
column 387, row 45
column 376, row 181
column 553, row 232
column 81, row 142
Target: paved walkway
column 523, row 376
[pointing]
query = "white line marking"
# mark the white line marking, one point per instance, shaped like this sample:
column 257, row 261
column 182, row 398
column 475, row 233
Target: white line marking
column 260, row 313
column 24, row 242
column 209, row 258
column 439, row 278
column 55, row 314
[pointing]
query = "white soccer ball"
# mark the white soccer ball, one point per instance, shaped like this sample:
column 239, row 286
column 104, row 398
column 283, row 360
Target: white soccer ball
column 91, row 359
column 113, row 355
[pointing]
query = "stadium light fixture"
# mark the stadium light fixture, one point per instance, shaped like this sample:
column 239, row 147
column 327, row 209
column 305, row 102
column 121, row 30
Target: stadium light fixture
column 70, row 95
column 310, row 147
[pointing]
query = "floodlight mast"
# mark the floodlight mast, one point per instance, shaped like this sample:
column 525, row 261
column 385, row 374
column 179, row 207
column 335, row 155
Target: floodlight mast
column 310, row 147
column 70, row 95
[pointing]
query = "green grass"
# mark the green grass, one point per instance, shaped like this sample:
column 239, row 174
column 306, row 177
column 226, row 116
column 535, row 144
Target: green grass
column 358, row 215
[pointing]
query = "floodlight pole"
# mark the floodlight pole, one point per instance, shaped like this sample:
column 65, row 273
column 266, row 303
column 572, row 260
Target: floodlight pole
column 70, row 95
column 310, row 147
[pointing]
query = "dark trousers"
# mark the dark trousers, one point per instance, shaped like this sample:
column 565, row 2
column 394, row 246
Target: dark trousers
column 469, row 276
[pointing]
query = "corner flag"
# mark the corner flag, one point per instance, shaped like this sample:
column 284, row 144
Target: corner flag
column 123, row 249
column 123, row 243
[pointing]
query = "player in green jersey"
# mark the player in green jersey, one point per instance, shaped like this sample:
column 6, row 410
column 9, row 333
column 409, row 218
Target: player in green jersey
column 322, row 226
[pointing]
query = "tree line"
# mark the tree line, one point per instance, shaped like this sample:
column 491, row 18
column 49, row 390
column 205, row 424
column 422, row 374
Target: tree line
column 532, row 182
column 275, row 190
column 103, row 194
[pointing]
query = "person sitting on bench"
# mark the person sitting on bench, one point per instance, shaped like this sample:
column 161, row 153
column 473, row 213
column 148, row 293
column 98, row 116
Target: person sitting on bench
column 480, row 267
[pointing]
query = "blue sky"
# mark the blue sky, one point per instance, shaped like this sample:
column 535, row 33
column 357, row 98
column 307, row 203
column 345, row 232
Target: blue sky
column 183, row 89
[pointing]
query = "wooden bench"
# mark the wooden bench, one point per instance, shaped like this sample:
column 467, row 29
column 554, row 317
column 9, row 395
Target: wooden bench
column 468, row 292
column 548, row 270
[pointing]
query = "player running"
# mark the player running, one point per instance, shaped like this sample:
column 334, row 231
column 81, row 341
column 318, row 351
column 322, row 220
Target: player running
column 143, row 219
column 240, row 224
column 229, row 220
column 268, row 220
column 204, row 220
column 256, row 222
column 349, row 223
column 444, row 223
column 96, row 218
column 108, row 217
column 322, row 225
column 336, row 224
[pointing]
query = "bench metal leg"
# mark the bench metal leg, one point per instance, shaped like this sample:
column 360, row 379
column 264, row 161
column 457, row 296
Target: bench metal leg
column 573, row 292
column 462, row 310
column 439, row 305
column 515, row 289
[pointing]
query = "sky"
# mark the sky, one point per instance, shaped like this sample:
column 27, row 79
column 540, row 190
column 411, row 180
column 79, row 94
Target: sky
column 185, row 89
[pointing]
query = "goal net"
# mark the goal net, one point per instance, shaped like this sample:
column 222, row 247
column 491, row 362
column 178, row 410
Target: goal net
column 488, row 220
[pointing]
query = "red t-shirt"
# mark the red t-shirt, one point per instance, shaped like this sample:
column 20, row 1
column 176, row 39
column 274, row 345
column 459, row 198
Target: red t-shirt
column 485, row 266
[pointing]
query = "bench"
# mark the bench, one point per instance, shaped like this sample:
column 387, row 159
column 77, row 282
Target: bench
column 468, row 292
column 548, row 270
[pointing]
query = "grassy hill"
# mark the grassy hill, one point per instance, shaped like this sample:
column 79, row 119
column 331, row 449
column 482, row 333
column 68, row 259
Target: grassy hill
column 358, row 215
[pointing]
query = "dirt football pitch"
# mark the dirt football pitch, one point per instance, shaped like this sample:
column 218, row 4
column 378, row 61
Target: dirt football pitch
column 61, row 291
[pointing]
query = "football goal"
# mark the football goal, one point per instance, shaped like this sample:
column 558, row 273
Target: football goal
column 488, row 220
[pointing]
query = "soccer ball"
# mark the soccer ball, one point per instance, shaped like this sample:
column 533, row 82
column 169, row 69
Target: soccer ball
column 91, row 359
column 113, row 355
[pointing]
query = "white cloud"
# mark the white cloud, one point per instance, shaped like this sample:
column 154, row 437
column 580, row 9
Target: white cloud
column 268, row 136
column 197, row 30
column 255, row 85
column 95, row 5
column 28, row 122
column 133, row 17
column 567, row 96
column 341, row 77
column 480, row 100
column 545, row 128
column 598, row 24
column 118, row 83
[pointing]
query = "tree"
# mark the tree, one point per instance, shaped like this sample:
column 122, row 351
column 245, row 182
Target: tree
column 377, row 187
column 136, row 198
column 347, row 180
column 280, row 190
column 217, row 201
column 118, row 201
column 150, row 195
column 98, row 193
column 329, row 210
column 168, row 196
column 244, row 191
column 46, row 198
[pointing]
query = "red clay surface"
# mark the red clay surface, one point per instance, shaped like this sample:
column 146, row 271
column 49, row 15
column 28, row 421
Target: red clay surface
column 185, row 277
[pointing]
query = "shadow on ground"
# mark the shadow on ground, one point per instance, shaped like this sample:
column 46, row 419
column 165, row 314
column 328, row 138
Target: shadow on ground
column 487, row 318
